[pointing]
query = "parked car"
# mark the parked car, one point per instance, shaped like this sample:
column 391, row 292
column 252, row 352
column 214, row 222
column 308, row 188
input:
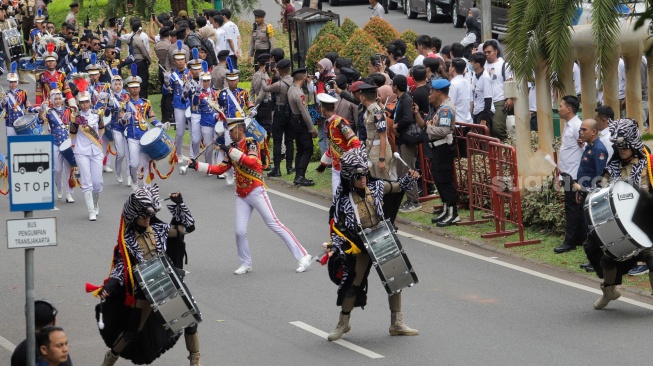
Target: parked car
column 456, row 10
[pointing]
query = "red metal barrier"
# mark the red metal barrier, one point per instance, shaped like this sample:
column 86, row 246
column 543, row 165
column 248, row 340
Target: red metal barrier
column 460, row 168
column 479, row 176
column 505, row 193
column 427, row 175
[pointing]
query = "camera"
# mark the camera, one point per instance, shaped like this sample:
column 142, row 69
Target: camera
column 377, row 59
column 153, row 16
column 330, row 85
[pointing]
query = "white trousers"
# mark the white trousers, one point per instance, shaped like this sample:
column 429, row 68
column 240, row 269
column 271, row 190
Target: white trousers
column 122, row 150
column 208, row 136
column 335, row 180
column 137, row 159
column 105, row 150
column 258, row 200
column 195, row 134
column 180, row 121
column 90, row 170
column 61, row 166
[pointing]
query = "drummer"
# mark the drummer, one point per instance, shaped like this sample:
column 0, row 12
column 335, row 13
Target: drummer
column 142, row 236
column 173, row 83
column 44, row 79
column 192, row 88
column 99, row 92
column 358, row 191
column 58, row 119
column 86, row 131
column 208, row 115
column 629, row 163
column 135, row 115
column 14, row 102
column 117, row 101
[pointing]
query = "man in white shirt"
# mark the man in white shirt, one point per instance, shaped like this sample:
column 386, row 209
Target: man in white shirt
column 423, row 48
column 483, row 92
column 460, row 91
column 233, row 37
column 377, row 9
column 499, row 72
column 603, row 116
column 621, row 72
column 220, row 33
column 571, row 151
column 146, row 39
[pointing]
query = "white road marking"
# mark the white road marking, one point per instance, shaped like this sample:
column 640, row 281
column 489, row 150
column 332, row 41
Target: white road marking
column 351, row 346
column 6, row 344
column 492, row 260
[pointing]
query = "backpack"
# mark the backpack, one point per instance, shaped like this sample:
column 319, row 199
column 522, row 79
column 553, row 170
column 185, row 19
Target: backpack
column 210, row 50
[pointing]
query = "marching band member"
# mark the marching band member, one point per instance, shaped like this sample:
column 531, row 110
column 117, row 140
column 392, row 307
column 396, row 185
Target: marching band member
column 208, row 115
column 99, row 93
column 340, row 137
column 244, row 156
column 358, row 205
column 190, row 89
column 173, row 82
column 117, row 98
column 15, row 102
column 629, row 163
column 86, row 131
column 142, row 236
column 37, row 32
column 45, row 79
column 136, row 114
column 58, row 118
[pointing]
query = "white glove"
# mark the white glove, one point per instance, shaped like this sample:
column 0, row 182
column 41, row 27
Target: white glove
column 102, row 95
column 166, row 77
column 253, row 112
column 127, row 116
column 165, row 126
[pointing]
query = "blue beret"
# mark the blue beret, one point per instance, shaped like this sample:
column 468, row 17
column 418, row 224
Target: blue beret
column 440, row 84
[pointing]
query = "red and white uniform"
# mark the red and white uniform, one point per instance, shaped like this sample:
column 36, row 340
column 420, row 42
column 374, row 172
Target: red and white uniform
column 341, row 138
column 43, row 87
column 251, row 195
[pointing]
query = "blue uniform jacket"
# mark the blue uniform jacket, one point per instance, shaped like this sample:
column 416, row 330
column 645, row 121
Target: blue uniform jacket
column 592, row 164
column 175, row 88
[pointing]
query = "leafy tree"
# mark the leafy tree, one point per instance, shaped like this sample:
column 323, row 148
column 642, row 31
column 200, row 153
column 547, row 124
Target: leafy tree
column 381, row 30
column 348, row 27
column 321, row 46
column 330, row 28
column 360, row 47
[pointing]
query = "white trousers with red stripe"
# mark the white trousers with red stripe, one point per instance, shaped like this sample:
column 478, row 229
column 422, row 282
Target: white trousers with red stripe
column 258, row 200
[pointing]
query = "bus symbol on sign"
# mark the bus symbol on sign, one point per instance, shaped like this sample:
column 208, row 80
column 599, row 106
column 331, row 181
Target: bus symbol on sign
column 31, row 175
column 23, row 163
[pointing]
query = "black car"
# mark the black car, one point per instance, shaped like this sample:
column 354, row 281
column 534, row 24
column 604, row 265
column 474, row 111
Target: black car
column 456, row 10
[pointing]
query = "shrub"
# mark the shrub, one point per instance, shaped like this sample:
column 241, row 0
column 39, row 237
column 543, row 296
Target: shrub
column 347, row 28
column 543, row 208
column 381, row 30
column 320, row 47
column 409, row 36
column 330, row 28
column 360, row 47
column 411, row 52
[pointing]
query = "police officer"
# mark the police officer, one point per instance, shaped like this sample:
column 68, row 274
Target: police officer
column 593, row 161
column 302, row 126
column 262, row 34
column 281, row 128
column 262, row 100
column 440, row 123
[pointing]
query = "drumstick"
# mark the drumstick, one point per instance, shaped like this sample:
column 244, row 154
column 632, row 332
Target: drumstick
column 100, row 322
column 549, row 159
column 396, row 155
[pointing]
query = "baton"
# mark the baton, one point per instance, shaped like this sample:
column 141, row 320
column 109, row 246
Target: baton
column 184, row 169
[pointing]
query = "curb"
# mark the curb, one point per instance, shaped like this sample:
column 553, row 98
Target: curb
column 470, row 241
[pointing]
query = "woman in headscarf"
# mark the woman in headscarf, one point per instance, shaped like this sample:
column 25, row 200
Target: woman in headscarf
column 473, row 34
column 128, row 329
column 326, row 74
column 357, row 205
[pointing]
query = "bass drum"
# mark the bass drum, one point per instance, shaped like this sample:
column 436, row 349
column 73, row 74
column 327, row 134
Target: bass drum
column 12, row 43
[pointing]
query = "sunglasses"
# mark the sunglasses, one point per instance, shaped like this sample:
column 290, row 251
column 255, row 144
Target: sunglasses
column 95, row 44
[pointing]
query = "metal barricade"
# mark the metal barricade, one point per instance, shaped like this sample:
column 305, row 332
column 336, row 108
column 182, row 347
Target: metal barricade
column 459, row 164
column 479, row 177
column 505, row 194
column 427, row 176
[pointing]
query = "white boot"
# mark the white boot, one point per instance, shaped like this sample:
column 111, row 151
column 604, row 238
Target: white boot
column 107, row 169
column 88, row 197
column 397, row 326
column 110, row 359
column 119, row 176
column 96, row 208
column 69, row 198
column 342, row 328
column 129, row 180
column 60, row 193
column 609, row 293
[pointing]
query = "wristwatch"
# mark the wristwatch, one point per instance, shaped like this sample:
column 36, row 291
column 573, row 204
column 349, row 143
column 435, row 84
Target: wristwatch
column 382, row 160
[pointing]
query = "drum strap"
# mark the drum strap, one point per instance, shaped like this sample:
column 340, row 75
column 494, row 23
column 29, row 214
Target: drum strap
column 146, row 241
column 235, row 101
column 15, row 102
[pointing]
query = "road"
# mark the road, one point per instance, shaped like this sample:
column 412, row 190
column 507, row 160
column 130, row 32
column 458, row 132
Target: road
column 471, row 306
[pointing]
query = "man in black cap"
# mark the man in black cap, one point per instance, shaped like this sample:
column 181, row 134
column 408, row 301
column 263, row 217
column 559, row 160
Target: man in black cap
column 45, row 314
column 302, row 127
column 262, row 34
column 70, row 18
column 161, row 50
column 219, row 73
column 281, row 127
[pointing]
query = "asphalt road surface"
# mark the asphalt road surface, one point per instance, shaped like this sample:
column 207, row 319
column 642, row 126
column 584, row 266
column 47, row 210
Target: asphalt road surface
column 471, row 306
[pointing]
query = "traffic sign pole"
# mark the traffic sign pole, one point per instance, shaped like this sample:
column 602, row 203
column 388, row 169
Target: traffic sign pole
column 29, row 301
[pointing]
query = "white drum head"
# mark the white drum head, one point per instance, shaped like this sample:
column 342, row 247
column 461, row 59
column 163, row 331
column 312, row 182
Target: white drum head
column 248, row 120
column 624, row 198
column 150, row 136
column 187, row 113
column 65, row 145
column 219, row 128
column 106, row 119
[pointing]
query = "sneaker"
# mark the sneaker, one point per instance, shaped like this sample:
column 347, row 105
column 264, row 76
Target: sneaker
column 119, row 177
column 107, row 169
column 222, row 176
column 638, row 270
column 243, row 269
column 409, row 207
column 304, row 263
column 69, row 198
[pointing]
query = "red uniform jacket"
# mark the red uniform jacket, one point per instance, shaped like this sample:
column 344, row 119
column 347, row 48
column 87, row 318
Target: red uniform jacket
column 245, row 157
column 341, row 138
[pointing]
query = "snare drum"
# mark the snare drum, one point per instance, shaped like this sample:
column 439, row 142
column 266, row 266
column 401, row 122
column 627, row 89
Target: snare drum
column 28, row 64
column 609, row 212
column 255, row 130
column 167, row 294
column 66, row 150
column 28, row 125
column 156, row 143
column 388, row 257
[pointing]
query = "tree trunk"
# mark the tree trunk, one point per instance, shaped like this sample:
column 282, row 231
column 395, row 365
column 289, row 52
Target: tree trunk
column 178, row 5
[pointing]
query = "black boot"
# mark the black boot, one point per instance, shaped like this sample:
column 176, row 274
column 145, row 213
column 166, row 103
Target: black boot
column 289, row 169
column 276, row 172
column 451, row 218
column 300, row 180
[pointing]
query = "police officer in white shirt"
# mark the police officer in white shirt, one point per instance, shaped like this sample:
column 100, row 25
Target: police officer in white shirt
column 571, row 151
